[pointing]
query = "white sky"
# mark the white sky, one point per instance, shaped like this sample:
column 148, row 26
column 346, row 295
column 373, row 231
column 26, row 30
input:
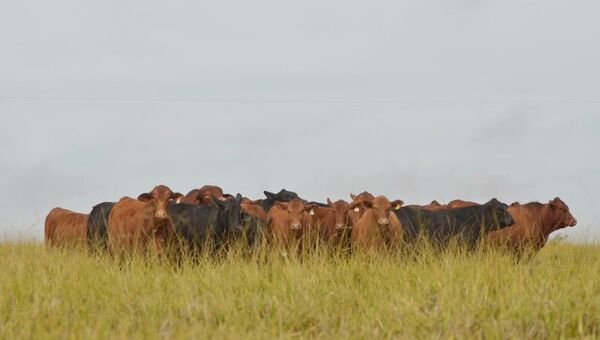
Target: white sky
column 417, row 100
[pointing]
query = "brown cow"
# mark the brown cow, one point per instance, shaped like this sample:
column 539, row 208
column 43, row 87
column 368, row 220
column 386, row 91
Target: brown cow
column 65, row 227
column 134, row 223
column 204, row 195
column 333, row 221
column 534, row 224
column 288, row 221
column 378, row 226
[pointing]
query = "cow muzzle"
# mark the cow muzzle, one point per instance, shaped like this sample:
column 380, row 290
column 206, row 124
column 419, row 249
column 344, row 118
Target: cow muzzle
column 572, row 222
column 383, row 221
column 160, row 214
column 296, row 226
column 508, row 221
column 339, row 226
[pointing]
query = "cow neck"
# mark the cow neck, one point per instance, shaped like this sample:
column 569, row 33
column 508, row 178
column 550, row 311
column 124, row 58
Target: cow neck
column 485, row 220
column 547, row 222
column 539, row 225
column 213, row 216
column 147, row 217
column 150, row 224
column 384, row 232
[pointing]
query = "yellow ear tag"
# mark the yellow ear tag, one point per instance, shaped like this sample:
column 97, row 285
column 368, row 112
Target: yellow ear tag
column 397, row 207
column 357, row 209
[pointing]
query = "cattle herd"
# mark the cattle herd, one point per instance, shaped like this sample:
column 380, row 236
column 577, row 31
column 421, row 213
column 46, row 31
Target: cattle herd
column 208, row 216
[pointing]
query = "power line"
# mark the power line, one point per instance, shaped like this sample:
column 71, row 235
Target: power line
column 302, row 101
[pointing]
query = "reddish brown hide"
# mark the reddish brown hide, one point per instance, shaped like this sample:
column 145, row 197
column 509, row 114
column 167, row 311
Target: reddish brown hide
column 287, row 221
column 378, row 226
column 65, row 228
column 534, row 224
column 204, row 195
column 333, row 222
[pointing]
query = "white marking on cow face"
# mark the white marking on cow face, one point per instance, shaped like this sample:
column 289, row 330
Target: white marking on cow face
column 160, row 214
column 357, row 210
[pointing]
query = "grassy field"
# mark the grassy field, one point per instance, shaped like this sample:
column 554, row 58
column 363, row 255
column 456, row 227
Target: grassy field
column 70, row 294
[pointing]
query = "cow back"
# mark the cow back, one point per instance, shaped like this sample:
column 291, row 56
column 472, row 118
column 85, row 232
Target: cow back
column 466, row 225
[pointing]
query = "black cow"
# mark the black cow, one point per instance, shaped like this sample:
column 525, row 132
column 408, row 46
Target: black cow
column 281, row 196
column 467, row 225
column 214, row 225
column 254, row 228
column 97, row 232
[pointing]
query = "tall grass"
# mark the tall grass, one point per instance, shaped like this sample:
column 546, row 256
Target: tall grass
column 485, row 294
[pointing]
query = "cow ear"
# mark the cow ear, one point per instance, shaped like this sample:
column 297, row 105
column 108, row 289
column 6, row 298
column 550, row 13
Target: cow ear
column 239, row 198
column 397, row 204
column 329, row 201
column 354, row 197
column 310, row 209
column 176, row 196
column 269, row 195
column 311, row 206
column 145, row 197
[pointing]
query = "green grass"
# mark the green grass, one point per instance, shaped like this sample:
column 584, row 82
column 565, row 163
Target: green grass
column 70, row 294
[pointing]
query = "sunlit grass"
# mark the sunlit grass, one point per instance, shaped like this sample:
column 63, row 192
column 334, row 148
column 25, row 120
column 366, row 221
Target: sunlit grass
column 70, row 294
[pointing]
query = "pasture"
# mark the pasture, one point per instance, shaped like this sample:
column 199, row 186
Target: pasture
column 71, row 294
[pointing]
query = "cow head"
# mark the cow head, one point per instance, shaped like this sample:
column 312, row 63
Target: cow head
column 381, row 208
column 358, row 207
column 230, row 211
column 283, row 195
column 296, row 210
column 362, row 197
column 159, row 199
column 209, row 193
column 341, row 210
column 253, row 209
column 500, row 213
column 561, row 214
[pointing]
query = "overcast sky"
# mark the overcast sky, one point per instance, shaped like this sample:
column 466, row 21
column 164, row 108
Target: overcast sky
column 417, row 100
